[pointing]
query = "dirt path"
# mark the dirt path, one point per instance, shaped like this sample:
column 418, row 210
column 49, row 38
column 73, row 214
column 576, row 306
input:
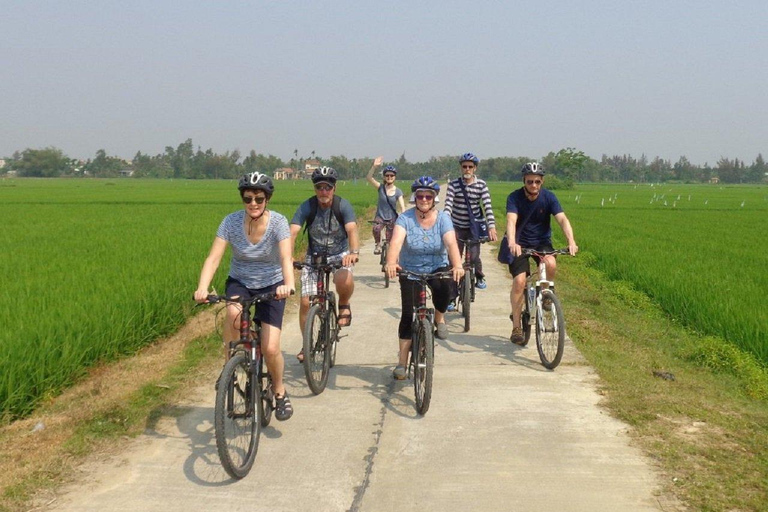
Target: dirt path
column 502, row 432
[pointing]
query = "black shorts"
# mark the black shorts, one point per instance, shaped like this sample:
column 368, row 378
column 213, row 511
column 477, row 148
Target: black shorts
column 521, row 264
column 270, row 312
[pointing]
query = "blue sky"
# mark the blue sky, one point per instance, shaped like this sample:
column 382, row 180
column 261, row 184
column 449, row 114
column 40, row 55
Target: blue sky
column 362, row 78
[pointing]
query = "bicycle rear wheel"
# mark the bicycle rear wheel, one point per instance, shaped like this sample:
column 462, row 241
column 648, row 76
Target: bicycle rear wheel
column 466, row 299
column 423, row 358
column 550, row 331
column 316, row 354
column 237, row 424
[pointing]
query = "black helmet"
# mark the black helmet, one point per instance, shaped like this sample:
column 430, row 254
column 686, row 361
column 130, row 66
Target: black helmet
column 325, row 174
column 256, row 181
column 532, row 168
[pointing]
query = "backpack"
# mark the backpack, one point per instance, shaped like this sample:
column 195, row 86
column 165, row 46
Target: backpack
column 335, row 207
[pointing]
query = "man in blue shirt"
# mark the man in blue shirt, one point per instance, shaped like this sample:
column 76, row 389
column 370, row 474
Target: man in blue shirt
column 528, row 226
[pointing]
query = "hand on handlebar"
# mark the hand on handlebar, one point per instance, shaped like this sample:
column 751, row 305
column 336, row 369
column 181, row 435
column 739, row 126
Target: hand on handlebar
column 350, row 259
column 392, row 269
column 201, row 296
column 515, row 249
column 458, row 273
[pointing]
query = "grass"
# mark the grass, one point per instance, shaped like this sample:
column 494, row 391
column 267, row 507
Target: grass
column 708, row 428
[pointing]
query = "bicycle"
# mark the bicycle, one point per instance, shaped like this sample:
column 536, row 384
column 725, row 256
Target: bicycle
column 422, row 355
column 321, row 328
column 467, row 284
column 548, row 318
column 245, row 397
column 384, row 245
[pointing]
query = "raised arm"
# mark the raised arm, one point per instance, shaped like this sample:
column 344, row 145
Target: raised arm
column 376, row 164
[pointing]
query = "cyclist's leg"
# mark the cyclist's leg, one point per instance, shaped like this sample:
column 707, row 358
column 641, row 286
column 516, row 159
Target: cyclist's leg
column 461, row 234
column 308, row 288
column 519, row 268
column 345, row 287
column 270, row 314
column 441, row 295
column 231, row 328
column 404, row 330
column 475, row 254
column 377, row 225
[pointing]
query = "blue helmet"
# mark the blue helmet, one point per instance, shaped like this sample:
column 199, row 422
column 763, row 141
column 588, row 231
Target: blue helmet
column 389, row 168
column 425, row 183
column 469, row 157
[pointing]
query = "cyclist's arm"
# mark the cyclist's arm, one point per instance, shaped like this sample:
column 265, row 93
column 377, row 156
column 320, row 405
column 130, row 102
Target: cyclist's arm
column 354, row 244
column 511, row 233
column 454, row 256
column 450, row 192
column 286, row 264
column 395, row 246
column 295, row 230
column 209, row 268
column 369, row 177
column 401, row 203
column 565, row 225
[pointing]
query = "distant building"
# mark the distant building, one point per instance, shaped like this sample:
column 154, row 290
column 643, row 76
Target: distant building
column 714, row 180
column 126, row 173
column 2, row 163
column 310, row 166
column 285, row 173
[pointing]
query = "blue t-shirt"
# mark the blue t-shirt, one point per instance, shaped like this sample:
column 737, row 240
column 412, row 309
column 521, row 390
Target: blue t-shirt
column 255, row 265
column 386, row 208
column 423, row 249
column 326, row 236
column 537, row 229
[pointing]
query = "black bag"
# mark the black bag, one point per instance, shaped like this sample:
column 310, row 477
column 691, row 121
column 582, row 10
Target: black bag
column 505, row 255
column 477, row 227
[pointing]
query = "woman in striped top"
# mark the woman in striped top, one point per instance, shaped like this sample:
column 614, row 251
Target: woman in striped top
column 261, row 263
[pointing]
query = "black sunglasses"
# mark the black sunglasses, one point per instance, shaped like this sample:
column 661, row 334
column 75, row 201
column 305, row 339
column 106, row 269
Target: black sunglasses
column 531, row 182
column 258, row 199
column 324, row 188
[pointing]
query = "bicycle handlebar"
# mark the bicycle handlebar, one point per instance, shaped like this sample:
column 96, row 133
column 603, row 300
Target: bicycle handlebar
column 263, row 297
column 321, row 266
column 471, row 241
column 533, row 252
column 425, row 277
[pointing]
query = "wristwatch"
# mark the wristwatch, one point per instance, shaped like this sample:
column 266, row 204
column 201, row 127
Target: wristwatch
column 356, row 251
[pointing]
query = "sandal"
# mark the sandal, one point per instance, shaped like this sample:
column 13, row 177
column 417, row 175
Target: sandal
column 348, row 316
column 300, row 356
column 283, row 407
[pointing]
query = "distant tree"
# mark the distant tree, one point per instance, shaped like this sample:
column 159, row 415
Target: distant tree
column 49, row 162
column 262, row 163
column 103, row 166
column 756, row 172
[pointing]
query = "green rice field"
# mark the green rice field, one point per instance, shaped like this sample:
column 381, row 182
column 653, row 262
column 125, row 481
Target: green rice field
column 96, row 269
column 699, row 251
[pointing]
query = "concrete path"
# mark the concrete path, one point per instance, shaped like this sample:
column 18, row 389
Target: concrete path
column 502, row 433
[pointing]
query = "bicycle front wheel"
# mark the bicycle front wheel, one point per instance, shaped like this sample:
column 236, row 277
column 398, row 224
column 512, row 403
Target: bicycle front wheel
column 267, row 402
column 550, row 330
column 383, row 262
column 333, row 334
column 316, row 355
column 466, row 299
column 423, row 358
column 236, row 422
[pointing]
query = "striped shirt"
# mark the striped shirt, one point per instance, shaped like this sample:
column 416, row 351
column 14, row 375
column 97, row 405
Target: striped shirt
column 255, row 265
column 456, row 206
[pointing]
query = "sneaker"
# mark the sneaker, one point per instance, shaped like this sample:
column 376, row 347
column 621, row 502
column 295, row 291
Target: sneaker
column 517, row 336
column 442, row 331
column 399, row 372
column 283, row 407
column 377, row 249
column 481, row 284
column 452, row 306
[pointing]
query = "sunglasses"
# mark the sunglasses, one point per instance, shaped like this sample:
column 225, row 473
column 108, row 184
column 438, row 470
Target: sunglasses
column 531, row 182
column 389, row 175
column 324, row 188
column 258, row 200
column 468, row 166
column 424, row 197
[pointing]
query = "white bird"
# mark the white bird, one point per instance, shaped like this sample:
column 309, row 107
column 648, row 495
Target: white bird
column 602, row 202
column 706, row 202
column 742, row 204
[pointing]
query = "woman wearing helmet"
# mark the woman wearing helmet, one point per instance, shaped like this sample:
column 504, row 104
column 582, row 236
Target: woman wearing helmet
column 469, row 195
column 529, row 210
column 389, row 196
column 261, row 263
column 423, row 241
